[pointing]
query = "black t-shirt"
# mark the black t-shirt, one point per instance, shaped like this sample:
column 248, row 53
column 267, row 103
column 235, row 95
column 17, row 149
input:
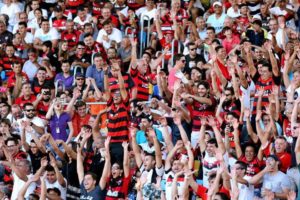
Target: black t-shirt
column 35, row 160
column 36, row 87
column 189, row 62
column 95, row 194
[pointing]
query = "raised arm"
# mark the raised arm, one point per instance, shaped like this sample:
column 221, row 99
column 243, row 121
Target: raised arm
column 133, row 62
column 219, row 109
column 58, row 174
column 238, row 148
column 202, row 144
column 50, row 111
column 273, row 60
column 171, row 154
column 249, row 60
column 123, row 91
column 135, row 147
column 23, row 138
column 80, row 169
column 188, row 147
column 60, row 154
column 107, row 165
column 256, row 179
column 177, row 121
column 158, row 154
column 22, row 192
column 297, row 148
column 166, row 134
column 126, row 159
column 212, row 123
column 70, row 107
column 158, row 27
column 263, row 137
column 250, row 131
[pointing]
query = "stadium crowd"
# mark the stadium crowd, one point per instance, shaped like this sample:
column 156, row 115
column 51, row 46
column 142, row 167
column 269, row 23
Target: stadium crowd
column 149, row 99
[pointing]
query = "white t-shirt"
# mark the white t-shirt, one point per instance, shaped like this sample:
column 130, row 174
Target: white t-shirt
column 116, row 35
column 276, row 182
column 18, row 184
column 277, row 11
column 36, row 121
column 30, row 69
column 231, row 13
column 278, row 37
column 217, row 23
column 169, row 180
column 247, row 100
column 31, row 14
column 144, row 12
column 209, row 164
column 77, row 20
column 28, row 38
column 63, row 190
column 246, row 192
column 11, row 11
column 51, row 35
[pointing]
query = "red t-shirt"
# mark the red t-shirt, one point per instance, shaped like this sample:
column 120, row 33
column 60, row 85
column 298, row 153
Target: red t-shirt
column 21, row 101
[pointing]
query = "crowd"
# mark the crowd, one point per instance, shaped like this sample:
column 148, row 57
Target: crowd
column 149, row 99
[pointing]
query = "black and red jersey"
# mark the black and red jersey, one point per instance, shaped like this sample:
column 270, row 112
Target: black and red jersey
column 72, row 38
column 118, row 121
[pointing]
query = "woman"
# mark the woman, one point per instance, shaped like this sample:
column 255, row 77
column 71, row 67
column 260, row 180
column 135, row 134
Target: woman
column 63, row 53
column 59, row 121
column 113, row 179
column 65, row 76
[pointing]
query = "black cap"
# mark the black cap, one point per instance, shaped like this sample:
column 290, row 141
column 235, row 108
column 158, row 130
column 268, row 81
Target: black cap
column 274, row 157
column 79, row 75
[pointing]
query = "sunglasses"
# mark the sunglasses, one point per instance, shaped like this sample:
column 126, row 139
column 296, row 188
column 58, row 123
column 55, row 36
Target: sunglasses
column 79, row 79
column 30, row 110
column 183, row 61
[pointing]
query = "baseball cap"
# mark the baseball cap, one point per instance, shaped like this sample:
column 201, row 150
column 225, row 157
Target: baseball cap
column 217, row 4
column 79, row 75
column 274, row 157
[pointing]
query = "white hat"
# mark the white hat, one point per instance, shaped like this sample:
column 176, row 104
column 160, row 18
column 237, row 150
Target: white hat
column 217, row 3
column 256, row 17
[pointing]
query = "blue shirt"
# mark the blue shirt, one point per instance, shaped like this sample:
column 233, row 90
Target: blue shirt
column 141, row 137
column 98, row 75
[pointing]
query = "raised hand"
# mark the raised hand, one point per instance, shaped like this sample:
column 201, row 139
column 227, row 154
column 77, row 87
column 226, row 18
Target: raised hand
column 44, row 162
column 211, row 121
column 106, row 143
column 177, row 119
column 260, row 91
column 235, row 124
column 125, row 145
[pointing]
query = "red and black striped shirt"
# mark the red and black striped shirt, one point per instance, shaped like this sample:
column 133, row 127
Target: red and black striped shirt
column 118, row 121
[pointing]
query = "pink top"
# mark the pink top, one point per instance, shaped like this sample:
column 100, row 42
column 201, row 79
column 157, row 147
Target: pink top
column 229, row 45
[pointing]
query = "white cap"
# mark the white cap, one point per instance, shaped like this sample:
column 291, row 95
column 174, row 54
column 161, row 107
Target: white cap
column 217, row 3
column 256, row 17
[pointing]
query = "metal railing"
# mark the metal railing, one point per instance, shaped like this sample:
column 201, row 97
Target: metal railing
column 56, row 84
column 173, row 50
column 76, row 67
column 144, row 44
column 129, row 29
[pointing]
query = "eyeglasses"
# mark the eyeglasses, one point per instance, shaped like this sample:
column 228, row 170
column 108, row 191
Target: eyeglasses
column 193, row 49
column 30, row 110
column 11, row 146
